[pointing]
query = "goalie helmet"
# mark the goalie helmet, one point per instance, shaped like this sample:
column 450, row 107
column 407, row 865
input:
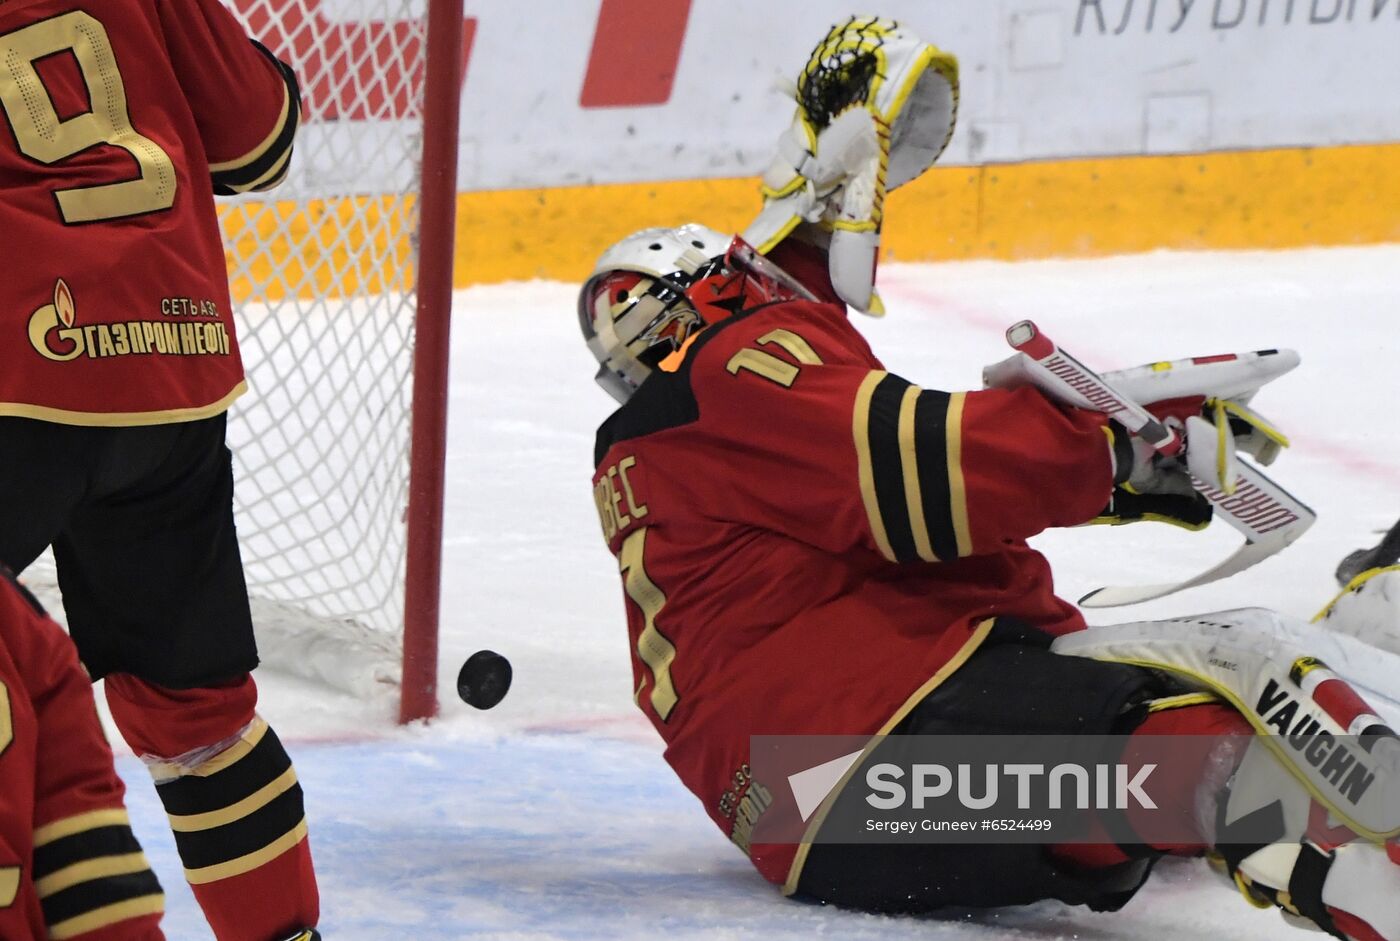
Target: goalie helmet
column 654, row 291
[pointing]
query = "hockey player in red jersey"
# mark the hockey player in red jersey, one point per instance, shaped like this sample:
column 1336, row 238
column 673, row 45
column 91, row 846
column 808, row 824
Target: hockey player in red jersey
column 122, row 119
column 70, row 866
column 809, row 544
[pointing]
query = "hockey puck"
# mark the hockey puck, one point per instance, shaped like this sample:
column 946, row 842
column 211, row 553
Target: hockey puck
column 484, row 679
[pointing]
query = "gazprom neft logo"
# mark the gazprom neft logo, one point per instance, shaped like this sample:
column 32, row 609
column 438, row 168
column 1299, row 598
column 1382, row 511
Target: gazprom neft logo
column 188, row 328
column 1022, row 787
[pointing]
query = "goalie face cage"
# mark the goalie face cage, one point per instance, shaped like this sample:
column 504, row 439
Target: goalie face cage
column 328, row 273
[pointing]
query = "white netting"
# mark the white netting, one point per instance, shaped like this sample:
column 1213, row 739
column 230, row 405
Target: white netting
column 323, row 278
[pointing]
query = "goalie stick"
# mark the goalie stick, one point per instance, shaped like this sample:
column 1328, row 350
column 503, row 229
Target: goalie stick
column 1269, row 517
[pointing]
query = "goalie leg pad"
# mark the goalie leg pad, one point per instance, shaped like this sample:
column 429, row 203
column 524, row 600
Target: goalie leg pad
column 1368, row 608
column 1346, row 889
column 1314, row 722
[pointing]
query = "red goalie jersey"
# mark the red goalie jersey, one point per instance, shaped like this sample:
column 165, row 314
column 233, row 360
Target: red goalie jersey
column 121, row 119
column 808, row 543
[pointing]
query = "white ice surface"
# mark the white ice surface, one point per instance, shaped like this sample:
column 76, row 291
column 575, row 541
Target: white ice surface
column 553, row 816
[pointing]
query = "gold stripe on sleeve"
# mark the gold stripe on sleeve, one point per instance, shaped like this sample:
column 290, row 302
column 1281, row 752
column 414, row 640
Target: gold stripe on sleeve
column 861, row 430
column 957, row 487
column 88, row 870
column 276, row 172
column 909, row 460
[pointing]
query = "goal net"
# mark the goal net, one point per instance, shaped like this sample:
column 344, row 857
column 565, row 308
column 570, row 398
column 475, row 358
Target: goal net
column 323, row 272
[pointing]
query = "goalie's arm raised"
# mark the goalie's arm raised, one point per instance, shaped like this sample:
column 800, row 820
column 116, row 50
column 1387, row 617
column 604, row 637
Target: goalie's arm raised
column 876, row 106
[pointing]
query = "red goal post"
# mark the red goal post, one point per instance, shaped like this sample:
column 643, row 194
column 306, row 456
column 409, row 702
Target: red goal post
column 441, row 114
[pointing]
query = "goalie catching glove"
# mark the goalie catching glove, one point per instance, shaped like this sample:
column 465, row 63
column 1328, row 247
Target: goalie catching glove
column 875, row 108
